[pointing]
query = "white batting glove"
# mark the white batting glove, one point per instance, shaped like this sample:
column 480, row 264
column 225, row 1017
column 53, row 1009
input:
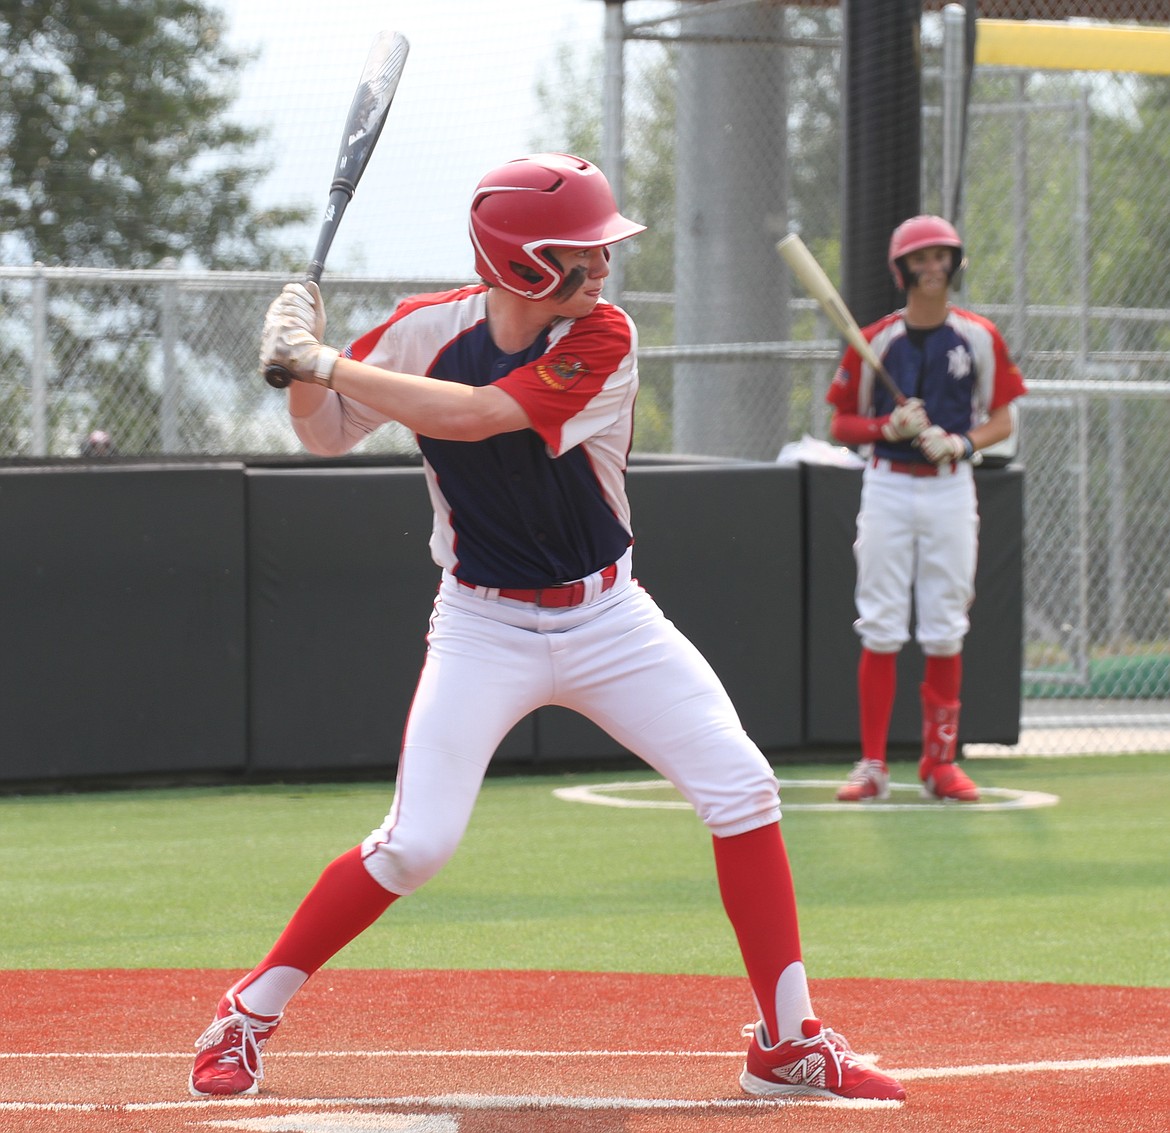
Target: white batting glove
column 941, row 447
column 305, row 299
column 318, row 309
column 290, row 338
column 907, row 421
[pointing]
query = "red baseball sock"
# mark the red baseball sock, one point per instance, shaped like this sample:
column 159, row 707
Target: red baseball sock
column 944, row 677
column 345, row 901
column 877, row 682
column 755, row 882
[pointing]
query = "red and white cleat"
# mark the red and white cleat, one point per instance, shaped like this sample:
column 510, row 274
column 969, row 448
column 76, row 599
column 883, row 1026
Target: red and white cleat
column 228, row 1052
column 821, row 1064
column 946, row 781
column 869, row 779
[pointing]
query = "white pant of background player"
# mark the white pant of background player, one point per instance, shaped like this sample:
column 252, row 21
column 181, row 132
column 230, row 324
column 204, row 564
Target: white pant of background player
column 916, row 550
column 917, row 537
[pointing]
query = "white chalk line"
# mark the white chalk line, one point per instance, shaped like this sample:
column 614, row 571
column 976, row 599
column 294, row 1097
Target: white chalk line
column 464, row 1102
column 612, row 794
column 529, row 1101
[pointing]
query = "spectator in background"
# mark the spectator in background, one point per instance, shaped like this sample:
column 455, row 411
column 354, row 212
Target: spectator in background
column 99, row 443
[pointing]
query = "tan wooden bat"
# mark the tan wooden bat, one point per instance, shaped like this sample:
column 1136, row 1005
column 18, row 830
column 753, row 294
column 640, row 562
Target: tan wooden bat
column 810, row 273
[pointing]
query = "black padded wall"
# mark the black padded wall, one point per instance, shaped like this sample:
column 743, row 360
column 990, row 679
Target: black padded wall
column 218, row 618
column 340, row 592
column 122, row 631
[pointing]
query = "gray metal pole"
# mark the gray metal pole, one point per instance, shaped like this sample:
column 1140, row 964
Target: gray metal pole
column 731, row 207
column 953, row 87
column 1084, row 635
column 169, row 425
column 612, row 131
column 1020, row 213
column 39, row 368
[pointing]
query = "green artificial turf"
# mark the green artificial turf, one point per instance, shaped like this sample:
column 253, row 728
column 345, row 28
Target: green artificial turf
column 207, row 877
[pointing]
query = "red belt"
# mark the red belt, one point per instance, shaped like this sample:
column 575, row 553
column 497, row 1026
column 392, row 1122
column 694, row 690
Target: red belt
column 911, row 467
column 556, row 597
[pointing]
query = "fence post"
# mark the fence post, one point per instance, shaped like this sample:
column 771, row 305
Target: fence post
column 954, row 94
column 169, row 425
column 38, row 375
column 612, row 133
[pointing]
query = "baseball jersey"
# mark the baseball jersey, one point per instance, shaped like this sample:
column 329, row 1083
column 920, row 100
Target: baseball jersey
column 531, row 508
column 961, row 370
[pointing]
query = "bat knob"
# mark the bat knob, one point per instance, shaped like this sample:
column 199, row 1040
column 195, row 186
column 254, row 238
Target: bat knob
column 277, row 377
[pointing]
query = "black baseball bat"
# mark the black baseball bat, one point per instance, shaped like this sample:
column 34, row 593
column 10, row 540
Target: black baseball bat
column 363, row 125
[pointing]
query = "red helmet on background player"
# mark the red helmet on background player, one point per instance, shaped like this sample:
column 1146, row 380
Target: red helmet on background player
column 529, row 205
column 924, row 232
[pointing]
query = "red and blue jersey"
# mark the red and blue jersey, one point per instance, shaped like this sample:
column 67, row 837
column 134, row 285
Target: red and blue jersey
column 531, row 508
column 961, row 370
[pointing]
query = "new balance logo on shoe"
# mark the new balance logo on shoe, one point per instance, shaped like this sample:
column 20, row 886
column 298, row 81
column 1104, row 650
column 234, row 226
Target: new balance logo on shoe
column 808, row 1071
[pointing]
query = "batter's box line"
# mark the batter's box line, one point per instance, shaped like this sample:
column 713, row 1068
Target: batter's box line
column 610, row 794
column 448, row 1102
column 1120, row 1062
column 471, row 1102
column 287, row 1054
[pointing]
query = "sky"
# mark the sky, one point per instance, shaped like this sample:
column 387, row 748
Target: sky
column 466, row 103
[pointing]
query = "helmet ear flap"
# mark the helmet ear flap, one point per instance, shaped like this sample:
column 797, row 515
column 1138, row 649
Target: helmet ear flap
column 527, row 273
column 959, row 266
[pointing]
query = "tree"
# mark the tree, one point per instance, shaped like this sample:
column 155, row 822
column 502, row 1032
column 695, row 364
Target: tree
column 116, row 151
column 115, row 147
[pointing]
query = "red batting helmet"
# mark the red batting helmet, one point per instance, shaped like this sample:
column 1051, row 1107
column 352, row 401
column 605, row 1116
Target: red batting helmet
column 924, row 232
column 534, row 203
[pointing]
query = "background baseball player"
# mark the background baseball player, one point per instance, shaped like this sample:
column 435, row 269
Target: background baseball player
column 918, row 525
column 521, row 393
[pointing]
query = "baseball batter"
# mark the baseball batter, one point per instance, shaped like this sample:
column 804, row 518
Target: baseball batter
column 521, row 394
column 918, row 526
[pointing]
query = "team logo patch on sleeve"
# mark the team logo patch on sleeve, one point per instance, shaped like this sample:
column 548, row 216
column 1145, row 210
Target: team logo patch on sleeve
column 561, row 372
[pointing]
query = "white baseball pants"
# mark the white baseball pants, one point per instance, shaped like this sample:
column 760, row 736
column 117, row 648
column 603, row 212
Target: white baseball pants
column 917, row 538
column 615, row 659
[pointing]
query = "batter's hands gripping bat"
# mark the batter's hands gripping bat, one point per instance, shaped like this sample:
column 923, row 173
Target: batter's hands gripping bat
column 820, row 287
column 363, row 124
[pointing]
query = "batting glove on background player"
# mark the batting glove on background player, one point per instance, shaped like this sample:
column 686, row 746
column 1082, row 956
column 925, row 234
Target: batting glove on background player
column 941, row 447
column 293, row 328
column 907, row 421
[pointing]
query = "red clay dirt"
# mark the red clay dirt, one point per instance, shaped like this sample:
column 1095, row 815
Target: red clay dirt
column 488, row 1052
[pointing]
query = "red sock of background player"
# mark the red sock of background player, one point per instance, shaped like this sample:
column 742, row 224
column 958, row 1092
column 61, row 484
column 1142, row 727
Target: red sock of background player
column 755, row 882
column 877, row 682
column 345, row 901
column 944, row 677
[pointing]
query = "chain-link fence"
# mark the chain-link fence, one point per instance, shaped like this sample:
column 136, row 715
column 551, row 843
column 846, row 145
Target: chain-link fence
column 166, row 362
column 1066, row 239
column 731, row 131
